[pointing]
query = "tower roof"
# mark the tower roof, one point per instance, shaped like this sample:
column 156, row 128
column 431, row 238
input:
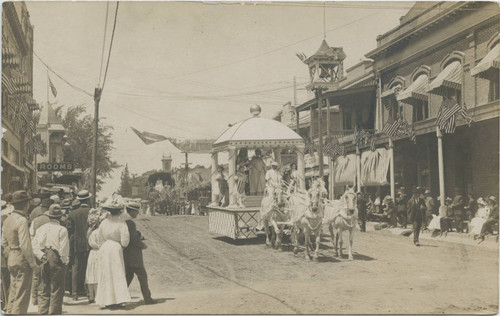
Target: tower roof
column 325, row 51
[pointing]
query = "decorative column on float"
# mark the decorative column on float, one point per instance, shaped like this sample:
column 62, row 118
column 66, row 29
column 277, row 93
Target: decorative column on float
column 215, row 164
column 299, row 150
column 231, row 176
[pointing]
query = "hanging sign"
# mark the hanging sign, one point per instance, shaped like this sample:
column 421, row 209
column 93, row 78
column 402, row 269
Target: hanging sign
column 56, row 166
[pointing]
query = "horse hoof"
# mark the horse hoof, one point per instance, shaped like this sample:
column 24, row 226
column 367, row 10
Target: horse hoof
column 315, row 259
column 295, row 251
column 351, row 258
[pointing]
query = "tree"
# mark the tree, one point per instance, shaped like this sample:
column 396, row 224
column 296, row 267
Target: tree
column 126, row 183
column 79, row 131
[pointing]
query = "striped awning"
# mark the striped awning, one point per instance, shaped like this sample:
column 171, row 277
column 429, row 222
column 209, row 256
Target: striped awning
column 416, row 91
column 450, row 77
column 489, row 62
column 8, row 84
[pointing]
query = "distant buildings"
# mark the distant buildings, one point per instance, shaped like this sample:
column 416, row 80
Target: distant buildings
column 19, row 109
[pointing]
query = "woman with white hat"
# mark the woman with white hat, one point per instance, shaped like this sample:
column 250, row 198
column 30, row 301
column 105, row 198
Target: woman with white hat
column 483, row 212
column 112, row 288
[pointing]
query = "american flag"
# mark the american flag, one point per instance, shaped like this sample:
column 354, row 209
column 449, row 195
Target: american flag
column 310, row 146
column 391, row 127
column 446, row 118
column 332, row 147
column 52, row 88
column 360, row 137
column 406, row 129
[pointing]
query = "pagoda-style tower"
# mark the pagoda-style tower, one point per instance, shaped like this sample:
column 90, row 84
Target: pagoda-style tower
column 326, row 67
column 166, row 162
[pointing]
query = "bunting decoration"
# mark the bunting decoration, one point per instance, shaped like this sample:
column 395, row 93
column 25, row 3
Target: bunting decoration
column 310, row 146
column 391, row 127
column 192, row 146
column 446, row 118
column 39, row 145
column 149, row 138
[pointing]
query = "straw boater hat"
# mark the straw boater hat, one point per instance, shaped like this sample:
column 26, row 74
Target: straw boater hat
column 55, row 211
column 274, row 163
column 83, row 195
column 133, row 205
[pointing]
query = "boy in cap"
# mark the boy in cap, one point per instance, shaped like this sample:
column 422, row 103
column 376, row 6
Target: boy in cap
column 51, row 247
column 16, row 246
column 132, row 254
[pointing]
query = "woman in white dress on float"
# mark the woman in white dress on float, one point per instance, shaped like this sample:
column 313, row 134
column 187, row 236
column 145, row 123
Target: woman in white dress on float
column 112, row 289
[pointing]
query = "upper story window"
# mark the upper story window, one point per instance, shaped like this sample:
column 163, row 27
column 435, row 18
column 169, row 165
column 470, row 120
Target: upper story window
column 389, row 97
column 488, row 67
column 449, row 81
column 416, row 94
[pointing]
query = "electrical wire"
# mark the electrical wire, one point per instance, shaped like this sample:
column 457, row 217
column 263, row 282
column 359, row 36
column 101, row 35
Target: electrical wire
column 110, row 47
column 104, row 40
column 60, row 77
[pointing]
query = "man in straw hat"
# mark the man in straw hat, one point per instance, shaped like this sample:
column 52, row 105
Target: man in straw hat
column 77, row 229
column 16, row 246
column 132, row 254
column 51, row 247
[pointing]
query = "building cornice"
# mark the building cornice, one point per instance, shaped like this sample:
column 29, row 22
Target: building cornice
column 10, row 12
column 419, row 30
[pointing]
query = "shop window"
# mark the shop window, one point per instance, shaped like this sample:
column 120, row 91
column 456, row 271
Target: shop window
column 5, row 148
column 420, row 111
column 14, row 155
column 494, row 89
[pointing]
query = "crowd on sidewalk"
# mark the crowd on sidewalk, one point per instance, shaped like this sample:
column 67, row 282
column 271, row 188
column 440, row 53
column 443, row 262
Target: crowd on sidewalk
column 478, row 217
column 55, row 245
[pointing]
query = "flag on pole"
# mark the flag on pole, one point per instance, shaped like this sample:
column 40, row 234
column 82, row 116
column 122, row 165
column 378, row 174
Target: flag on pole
column 361, row 137
column 310, row 147
column 149, row 138
column 446, row 118
column 52, row 87
column 332, row 147
column 391, row 128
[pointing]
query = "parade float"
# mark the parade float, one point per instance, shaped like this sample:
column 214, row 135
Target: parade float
column 239, row 221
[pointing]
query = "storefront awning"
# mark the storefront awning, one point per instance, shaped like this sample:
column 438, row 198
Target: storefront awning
column 450, row 77
column 345, row 170
column 489, row 62
column 374, row 167
column 416, row 91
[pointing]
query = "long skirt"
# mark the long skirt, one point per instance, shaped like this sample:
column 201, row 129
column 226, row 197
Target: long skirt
column 92, row 273
column 476, row 224
column 112, row 286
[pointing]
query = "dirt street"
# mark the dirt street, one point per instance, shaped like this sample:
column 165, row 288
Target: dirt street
column 192, row 271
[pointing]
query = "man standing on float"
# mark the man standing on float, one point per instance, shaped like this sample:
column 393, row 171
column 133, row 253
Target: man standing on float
column 257, row 169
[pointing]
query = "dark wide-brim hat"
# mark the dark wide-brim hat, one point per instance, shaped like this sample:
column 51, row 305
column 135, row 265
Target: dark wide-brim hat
column 83, row 195
column 20, row 196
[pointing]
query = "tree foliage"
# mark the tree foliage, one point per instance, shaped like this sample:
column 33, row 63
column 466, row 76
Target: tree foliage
column 126, row 183
column 79, row 131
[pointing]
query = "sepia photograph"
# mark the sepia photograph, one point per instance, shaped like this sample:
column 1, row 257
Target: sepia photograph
column 250, row 157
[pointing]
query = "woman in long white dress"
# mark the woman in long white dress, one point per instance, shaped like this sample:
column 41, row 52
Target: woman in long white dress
column 96, row 216
column 482, row 214
column 112, row 289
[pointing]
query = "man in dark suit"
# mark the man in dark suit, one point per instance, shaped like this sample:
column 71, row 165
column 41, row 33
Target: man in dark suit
column 401, row 205
column 132, row 254
column 416, row 214
column 362, row 211
column 77, row 229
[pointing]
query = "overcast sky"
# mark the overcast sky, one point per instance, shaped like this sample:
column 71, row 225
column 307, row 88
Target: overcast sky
column 188, row 69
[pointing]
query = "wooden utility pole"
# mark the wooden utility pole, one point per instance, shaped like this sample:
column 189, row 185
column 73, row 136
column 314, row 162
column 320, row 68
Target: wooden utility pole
column 97, row 99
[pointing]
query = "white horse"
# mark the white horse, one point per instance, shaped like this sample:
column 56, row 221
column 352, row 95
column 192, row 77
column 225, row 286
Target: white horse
column 306, row 215
column 271, row 210
column 342, row 215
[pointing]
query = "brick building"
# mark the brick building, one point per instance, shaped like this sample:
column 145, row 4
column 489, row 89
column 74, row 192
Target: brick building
column 18, row 106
